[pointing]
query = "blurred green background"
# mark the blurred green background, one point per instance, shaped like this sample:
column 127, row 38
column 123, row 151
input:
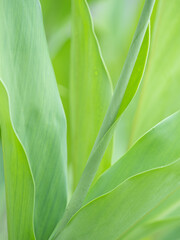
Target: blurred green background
column 115, row 22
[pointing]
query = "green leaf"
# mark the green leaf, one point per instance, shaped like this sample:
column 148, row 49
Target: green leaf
column 155, row 230
column 159, row 94
column 56, row 14
column 125, row 90
column 62, row 70
column 1, row 165
column 113, row 214
column 90, row 91
column 153, row 150
column 37, row 126
column 3, row 220
column 77, row 104
column 115, row 23
column 168, row 210
column 18, row 179
column 173, row 234
column 161, row 79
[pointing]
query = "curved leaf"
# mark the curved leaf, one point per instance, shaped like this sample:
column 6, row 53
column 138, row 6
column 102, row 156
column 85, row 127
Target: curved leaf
column 90, row 91
column 154, row 149
column 36, row 111
column 129, row 79
column 162, row 66
column 55, row 14
column 159, row 94
column 115, row 213
column 168, row 210
column 165, row 69
column 155, row 230
column 18, row 179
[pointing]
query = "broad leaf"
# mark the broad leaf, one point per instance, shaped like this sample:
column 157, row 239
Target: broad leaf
column 153, row 150
column 159, row 94
column 124, row 92
column 37, row 126
column 167, row 213
column 161, row 81
column 93, row 85
column 115, row 213
column 155, row 230
column 90, row 91
column 18, row 179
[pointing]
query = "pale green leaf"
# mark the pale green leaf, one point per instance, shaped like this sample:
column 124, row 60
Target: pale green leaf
column 113, row 214
column 156, row 148
column 37, row 126
column 156, row 230
column 168, row 210
column 90, row 91
column 115, row 23
column 160, row 89
column 159, row 94
column 3, row 220
column 125, row 90
column 55, row 13
column 18, row 179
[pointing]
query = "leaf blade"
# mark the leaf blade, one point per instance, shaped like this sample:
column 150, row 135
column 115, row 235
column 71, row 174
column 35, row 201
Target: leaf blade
column 139, row 157
column 123, row 207
column 36, row 109
column 109, row 122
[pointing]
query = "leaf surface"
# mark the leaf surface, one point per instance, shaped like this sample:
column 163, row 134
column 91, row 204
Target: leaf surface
column 124, row 92
column 155, row 230
column 90, row 90
column 18, row 179
column 161, row 80
column 113, row 214
column 158, row 96
column 37, row 121
column 154, row 149
column 3, row 222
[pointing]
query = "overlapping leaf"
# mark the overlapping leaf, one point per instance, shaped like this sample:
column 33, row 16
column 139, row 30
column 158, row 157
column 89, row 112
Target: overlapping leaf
column 130, row 78
column 159, row 94
column 143, row 156
column 162, row 76
column 88, row 85
column 154, row 149
column 90, row 91
column 162, row 220
column 125, row 90
column 113, row 214
column 18, row 179
column 156, row 230
column 36, row 127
